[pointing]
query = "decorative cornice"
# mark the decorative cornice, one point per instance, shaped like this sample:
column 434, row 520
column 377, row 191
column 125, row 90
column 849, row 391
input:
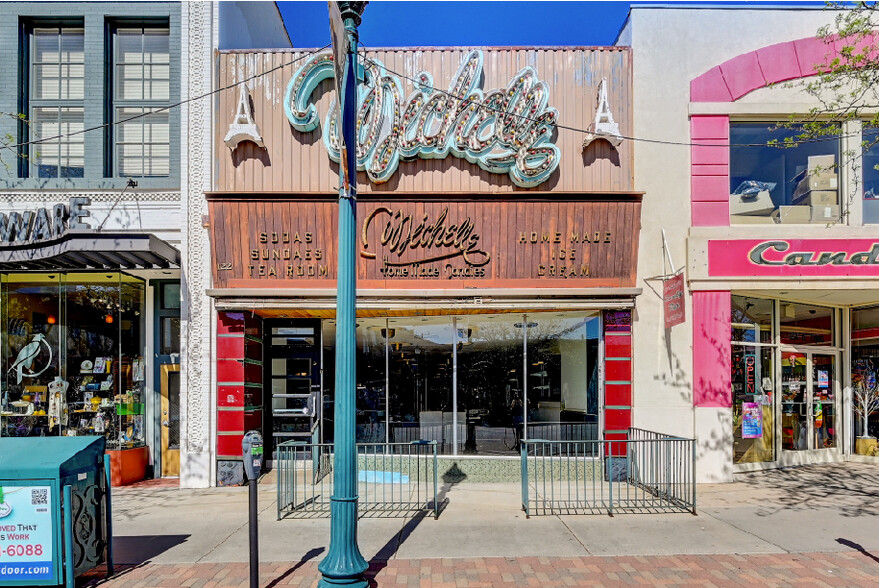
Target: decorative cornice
column 58, row 195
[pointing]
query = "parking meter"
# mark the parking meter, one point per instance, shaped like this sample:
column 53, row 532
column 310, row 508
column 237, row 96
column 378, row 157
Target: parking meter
column 251, row 449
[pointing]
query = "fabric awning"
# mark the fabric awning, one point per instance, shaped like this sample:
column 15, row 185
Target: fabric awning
column 89, row 250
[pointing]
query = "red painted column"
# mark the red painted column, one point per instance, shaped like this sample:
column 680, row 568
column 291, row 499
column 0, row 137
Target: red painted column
column 617, row 377
column 239, row 386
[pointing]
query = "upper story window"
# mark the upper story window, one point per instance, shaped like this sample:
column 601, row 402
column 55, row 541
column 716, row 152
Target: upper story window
column 771, row 184
column 870, row 176
column 141, row 84
column 56, row 101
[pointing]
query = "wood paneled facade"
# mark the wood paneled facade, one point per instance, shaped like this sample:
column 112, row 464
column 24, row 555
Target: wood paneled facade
column 297, row 162
column 437, row 243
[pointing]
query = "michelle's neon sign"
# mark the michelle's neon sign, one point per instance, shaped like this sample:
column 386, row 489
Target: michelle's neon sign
column 506, row 130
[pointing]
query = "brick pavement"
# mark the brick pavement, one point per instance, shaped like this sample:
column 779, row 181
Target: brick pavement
column 849, row 569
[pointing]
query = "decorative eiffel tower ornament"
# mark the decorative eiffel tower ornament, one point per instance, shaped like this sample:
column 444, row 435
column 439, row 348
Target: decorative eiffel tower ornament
column 603, row 127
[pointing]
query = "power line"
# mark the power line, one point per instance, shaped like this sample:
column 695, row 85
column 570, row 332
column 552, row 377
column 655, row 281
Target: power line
column 486, row 106
column 164, row 108
column 418, row 83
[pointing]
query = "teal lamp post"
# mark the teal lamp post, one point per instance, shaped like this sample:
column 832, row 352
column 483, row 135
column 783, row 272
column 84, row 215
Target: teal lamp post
column 344, row 565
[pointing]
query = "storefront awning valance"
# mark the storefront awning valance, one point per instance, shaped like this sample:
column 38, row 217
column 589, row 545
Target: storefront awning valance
column 89, row 250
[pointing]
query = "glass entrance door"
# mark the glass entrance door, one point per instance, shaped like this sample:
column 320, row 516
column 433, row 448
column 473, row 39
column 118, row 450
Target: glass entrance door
column 809, row 400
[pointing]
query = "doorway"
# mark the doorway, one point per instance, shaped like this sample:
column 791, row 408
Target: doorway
column 809, row 401
column 170, row 421
column 292, row 382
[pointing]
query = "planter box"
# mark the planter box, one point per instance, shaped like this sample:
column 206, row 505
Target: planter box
column 128, row 466
column 865, row 445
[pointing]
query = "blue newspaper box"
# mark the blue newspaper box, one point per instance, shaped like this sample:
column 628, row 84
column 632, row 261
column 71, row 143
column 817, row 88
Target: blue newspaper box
column 54, row 509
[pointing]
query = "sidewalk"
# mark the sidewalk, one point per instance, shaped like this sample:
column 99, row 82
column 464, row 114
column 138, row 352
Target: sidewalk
column 772, row 528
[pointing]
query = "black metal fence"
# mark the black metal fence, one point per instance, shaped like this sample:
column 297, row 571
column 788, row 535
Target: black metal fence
column 645, row 472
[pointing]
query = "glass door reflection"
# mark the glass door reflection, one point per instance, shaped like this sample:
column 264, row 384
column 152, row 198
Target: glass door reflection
column 823, row 401
column 794, row 404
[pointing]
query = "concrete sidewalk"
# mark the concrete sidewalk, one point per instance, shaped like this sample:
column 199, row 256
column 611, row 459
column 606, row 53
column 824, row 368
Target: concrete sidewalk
column 828, row 508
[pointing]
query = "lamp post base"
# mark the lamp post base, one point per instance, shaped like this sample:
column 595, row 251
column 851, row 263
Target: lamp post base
column 343, row 565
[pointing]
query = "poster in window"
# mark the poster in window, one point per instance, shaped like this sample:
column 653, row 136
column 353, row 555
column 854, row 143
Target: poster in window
column 752, row 420
column 823, row 379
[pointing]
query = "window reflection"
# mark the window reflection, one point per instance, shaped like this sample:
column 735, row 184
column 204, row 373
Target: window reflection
column 786, row 185
column 407, row 387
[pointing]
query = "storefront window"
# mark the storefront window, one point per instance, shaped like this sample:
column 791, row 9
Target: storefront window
column 31, row 355
column 81, row 371
column 807, row 325
column 751, row 320
column 865, row 391
column 773, row 184
column 869, row 164
column 467, row 379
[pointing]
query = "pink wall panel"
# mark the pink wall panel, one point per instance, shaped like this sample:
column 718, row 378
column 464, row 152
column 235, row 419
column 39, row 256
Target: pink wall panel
column 711, row 349
column 742, row 74
column 710, row 152
column 711, row 214
column 709, row 188
column 779, row 62
column 812, row 55
column 709, row 127
column 710, row 170
column 710, row 87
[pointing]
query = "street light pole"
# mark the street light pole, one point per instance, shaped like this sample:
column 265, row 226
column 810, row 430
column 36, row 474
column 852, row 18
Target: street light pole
column 344, row 565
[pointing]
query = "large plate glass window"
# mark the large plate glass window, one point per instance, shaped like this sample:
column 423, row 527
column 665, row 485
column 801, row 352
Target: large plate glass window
column 869, row 163
column 771, row 183
column 865, row 389
column 141, row 86
column 56, row 108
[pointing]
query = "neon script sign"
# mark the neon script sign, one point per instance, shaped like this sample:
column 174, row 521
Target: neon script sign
column 504, row 130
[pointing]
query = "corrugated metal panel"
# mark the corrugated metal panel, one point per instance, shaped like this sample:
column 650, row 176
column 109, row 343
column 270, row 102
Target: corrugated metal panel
column 297, row 162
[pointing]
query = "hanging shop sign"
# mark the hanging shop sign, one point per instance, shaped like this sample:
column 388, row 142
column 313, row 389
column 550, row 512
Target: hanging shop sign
column 504, row 130
column 43, row 223
column 793, row 257
column 673, row 300
column 427, row 244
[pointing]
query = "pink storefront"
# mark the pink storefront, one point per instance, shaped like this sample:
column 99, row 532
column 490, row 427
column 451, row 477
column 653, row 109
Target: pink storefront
column 780, row 250
column 782, row 316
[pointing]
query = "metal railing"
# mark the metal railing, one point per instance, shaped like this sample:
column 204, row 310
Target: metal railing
column 393, row 479
column 645, row 472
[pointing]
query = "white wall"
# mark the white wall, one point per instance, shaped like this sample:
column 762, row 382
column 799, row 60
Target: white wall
column 251, row 25
column 671, row 46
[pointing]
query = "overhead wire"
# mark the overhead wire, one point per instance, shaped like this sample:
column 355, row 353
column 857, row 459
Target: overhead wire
column 164, row 108
column 418, row 83
column 486, row 106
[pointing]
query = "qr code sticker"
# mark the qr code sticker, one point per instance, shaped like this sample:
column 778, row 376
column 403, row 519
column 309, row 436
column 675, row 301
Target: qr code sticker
column 40, row 496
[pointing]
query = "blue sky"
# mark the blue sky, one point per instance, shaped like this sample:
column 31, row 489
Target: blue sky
column 408, row 24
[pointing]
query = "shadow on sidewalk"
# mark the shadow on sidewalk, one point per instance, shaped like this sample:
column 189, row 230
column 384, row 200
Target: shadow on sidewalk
column 138, row 549
column 313, row 553
column 389, row 550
